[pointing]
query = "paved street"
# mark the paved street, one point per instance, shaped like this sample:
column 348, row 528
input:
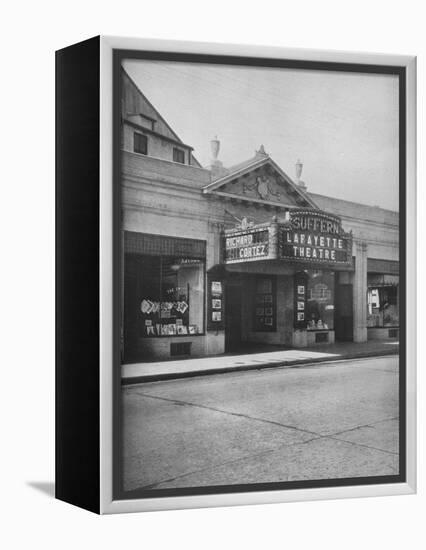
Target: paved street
column 321, row 421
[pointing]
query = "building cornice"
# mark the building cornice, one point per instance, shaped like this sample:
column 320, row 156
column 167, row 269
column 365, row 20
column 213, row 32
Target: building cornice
column 161, row 185
column 185, row 191
column 165, row 211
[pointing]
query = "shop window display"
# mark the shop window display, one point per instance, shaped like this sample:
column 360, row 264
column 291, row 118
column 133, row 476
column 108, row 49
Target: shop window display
column 382, row 301
column 169, row 295
column 320, row 300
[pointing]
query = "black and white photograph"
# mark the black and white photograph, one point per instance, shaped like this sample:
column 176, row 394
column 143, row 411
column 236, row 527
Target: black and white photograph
column 277, row 190
column 215, row 221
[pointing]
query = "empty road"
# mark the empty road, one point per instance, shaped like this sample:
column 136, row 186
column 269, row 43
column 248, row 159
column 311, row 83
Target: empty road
column 316, row 422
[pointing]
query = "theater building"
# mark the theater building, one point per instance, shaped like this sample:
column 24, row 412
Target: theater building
column 216, row 259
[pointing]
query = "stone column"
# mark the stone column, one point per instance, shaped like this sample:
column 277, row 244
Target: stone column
column 360, row 292
column 214, row 342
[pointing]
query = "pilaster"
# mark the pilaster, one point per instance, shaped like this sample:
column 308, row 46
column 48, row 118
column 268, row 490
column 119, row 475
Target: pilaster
column 360, row 292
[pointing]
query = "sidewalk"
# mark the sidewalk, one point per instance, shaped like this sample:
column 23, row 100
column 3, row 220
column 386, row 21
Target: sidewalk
column 269, row 356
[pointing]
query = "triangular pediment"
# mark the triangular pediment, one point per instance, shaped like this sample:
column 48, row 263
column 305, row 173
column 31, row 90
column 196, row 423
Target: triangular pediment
column 260, row 182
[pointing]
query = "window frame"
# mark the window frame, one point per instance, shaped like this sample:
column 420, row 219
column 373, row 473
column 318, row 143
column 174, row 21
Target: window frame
column 176, row 152
column 380, row 281
column 310, row 299
column 201, row 329
column 138, row 135
column 381, row 311
column 257, row 325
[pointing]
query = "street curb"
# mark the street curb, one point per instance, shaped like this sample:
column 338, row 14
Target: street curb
column 208, row 372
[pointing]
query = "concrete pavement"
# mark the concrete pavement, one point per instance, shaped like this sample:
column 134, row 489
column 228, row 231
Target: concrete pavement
column 337, row 420
column 259, row 357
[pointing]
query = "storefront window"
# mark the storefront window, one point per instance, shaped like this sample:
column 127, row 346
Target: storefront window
column 382, row 300
column 169, row 294
column 320, row 300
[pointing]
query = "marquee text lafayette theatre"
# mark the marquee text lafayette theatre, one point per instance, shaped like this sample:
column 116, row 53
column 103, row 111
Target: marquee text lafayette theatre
column 217, row 259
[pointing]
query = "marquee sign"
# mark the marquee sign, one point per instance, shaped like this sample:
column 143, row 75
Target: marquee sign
column 315, row 237
column 308, row 236
column 246, row 246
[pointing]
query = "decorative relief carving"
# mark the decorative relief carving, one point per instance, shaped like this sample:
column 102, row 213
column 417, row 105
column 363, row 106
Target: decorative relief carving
column 263, row 186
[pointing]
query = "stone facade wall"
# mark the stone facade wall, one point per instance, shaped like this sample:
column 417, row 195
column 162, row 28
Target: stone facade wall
column 166, row 198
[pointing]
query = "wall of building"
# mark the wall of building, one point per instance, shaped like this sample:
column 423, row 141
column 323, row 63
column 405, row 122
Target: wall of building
column 158, row 349
column 165, row 198
column 376, row 227
column 375, row 235
column 382, row 333
column 153, row 171
column 158, row 147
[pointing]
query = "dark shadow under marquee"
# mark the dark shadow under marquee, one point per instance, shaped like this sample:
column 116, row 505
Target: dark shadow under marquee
column 400, row 72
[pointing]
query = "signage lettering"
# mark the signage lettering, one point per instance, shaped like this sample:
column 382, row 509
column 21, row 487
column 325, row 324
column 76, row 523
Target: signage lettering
column 315, row 237
column 315, row 223
column 247, row 246
column 308, row 236
column 315, row 240
column 313, row 247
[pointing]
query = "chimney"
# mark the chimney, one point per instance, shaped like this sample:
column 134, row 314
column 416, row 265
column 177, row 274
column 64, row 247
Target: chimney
column 299, row 168
column 216, row 167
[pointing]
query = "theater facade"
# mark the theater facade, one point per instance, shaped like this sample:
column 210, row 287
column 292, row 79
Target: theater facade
column 217, row 259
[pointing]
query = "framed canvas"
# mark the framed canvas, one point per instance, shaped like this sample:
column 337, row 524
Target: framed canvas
column 235, row 275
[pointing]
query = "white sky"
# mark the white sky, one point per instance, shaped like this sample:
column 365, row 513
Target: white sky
column 343, row 126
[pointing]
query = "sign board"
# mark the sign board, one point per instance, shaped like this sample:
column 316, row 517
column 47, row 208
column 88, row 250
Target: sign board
column 300, row 298
column 315, row 237
column 216, row 303
column 247, row 246
column 311, row 237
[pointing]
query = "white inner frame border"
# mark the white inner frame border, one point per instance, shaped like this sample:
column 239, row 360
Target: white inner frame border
column 107, row 504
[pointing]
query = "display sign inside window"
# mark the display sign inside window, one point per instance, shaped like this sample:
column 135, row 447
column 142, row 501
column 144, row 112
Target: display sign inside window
column 300, row 287
column 247, row 246
column 315, row 237
column 216, row 287
column 264, row 306
column 382, row 305
column 216, row 304
column 170, row 294
column 166, row 318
